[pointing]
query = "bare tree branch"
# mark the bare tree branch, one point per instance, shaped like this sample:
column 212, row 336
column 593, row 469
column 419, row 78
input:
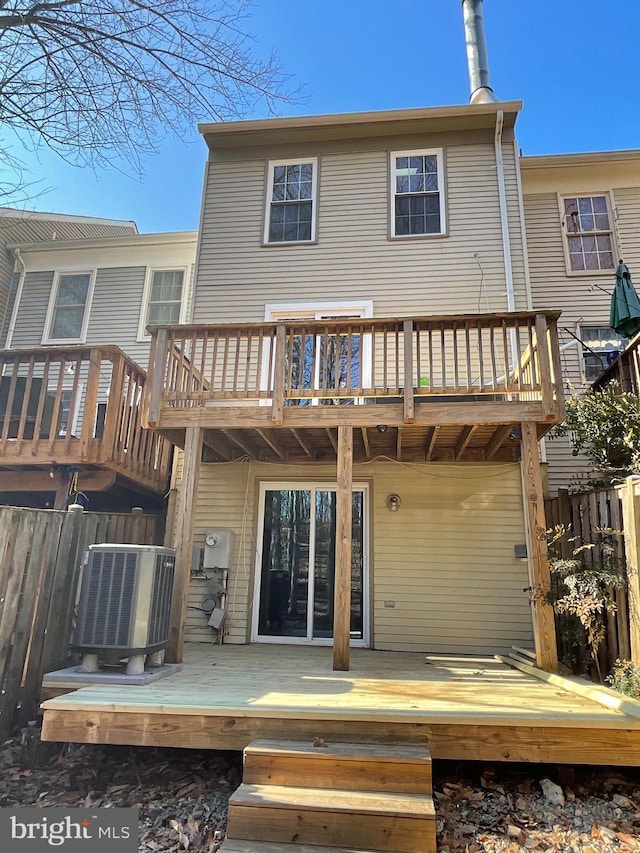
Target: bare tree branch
column 102, row 80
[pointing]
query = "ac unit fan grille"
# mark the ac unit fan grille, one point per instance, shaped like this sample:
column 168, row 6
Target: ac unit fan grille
column 160, row 612
column 110, row 598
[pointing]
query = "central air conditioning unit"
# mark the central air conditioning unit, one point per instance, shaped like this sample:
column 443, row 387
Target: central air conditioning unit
column 124, row 604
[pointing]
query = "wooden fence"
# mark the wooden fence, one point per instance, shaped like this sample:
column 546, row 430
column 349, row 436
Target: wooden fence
column 588, row 514
column 40, row 556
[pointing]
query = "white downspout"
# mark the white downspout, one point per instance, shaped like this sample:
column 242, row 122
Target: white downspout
column 504, row 222
column 523, row 227
column 17, row 300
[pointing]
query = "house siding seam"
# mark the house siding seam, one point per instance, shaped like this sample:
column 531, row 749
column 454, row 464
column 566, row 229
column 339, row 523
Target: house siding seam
column 354, row 258
column 446, row 558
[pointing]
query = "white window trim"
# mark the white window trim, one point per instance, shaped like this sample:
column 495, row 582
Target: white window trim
column 439, row 154
column 268, row 485
column 271, row 164
column 565, row 233
column 53, row 296
column 143, row 337
column 275, row 311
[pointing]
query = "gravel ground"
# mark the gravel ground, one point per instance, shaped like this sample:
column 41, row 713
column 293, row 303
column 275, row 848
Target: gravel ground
column 182, row 795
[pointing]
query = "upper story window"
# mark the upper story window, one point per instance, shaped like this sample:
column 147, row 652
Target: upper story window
column 291, row 201
column 164, row 300
column 600, row 346
column 589, row 234
column 68, row 308
column 417, row 193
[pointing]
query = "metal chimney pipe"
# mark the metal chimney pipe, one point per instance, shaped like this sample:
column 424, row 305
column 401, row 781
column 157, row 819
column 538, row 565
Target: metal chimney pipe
column 481, row 91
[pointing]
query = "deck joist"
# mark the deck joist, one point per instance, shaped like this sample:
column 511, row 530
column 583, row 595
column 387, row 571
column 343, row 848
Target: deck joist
column 226, row 697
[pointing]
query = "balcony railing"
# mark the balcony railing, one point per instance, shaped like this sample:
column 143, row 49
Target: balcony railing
column 78, row 405
column 625, row 369
column 491, row 357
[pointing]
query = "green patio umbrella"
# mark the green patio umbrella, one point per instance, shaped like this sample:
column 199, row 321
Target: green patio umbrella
column 625, row 305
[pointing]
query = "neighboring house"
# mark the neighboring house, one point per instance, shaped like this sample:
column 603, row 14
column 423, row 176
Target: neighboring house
column 583, row 214
column 75, row 355
column 28, row 226
column 381, row 260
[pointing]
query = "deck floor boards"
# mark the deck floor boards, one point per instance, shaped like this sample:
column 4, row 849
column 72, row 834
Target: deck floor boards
column 465, row 708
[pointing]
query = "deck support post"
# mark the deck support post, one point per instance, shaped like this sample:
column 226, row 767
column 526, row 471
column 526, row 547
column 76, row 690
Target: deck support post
column 631, row 527
column 342, row 587
column 183, row 541
column 544, row 630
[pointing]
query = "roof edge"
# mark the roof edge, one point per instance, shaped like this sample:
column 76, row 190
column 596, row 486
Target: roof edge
column 16, row 213
column 117, row 241
column 357, row 118
column 579, row 158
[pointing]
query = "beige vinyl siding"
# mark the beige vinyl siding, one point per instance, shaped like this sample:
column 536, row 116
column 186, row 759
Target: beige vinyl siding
column 582, row 302
column 446, row 558
column 626, row 202
column 354, row 257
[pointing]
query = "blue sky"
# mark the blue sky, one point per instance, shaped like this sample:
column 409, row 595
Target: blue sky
column 574, row 64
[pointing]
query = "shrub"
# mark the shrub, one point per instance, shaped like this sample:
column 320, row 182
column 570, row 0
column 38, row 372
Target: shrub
column 625, row 678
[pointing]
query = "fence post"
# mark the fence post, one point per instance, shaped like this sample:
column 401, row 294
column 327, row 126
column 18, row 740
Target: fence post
column 631, row 525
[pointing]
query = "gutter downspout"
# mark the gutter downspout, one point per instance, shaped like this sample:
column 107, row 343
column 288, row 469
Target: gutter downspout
column 523, row 227
column 504, row 222
column 18, row 298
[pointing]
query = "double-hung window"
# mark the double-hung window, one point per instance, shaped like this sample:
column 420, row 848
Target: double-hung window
column 164, row 298
column 417, row 193
column 589, row 234
column 291, row 201
column 68, row 308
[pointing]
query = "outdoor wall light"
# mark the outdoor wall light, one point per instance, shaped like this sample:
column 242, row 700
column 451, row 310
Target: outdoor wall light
column 393, row 502
column 515, row 434
column 382, row 427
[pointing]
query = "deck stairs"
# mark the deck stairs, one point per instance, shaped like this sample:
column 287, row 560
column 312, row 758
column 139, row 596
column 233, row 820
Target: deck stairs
column 312, row 797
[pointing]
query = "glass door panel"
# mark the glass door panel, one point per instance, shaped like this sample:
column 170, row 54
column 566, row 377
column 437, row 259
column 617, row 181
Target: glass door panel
column 284, row 577
column 324, row 568
column 297, row 565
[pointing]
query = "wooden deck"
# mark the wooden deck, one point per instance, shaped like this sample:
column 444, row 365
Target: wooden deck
column 464, row 708
column 76, row 408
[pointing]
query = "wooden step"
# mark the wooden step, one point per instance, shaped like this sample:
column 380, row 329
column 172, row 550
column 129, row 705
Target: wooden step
column 403, row 823
column 349, row 766
column 232, row 845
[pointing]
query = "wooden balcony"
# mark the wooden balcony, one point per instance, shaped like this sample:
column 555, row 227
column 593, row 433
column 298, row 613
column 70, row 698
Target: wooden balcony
column 428, row 388
column 76, row 408
column 625, row 370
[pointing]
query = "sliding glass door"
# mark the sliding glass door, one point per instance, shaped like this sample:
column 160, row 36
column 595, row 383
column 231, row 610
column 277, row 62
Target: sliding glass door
column 295, row 569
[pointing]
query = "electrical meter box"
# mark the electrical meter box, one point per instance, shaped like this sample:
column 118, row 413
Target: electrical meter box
column 217, row 548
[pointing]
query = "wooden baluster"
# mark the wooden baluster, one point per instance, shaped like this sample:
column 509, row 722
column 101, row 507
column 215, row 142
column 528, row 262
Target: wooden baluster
column 418, row 358
column 443, row 356
column 114, row 409
column 259, row 359
column 24, row 411
column 235, row 385
column 431, row 372
column 397, row 354
column 55, row 414
column 480, row 357
column 9, row 406
column 467, row 343
column 557, row 367
column 518, row 354
column 42, row 398
column 214, row 362
column 225, row 361
column 505, row 356
column 73, row 404
column 349, row 354
column 385, row 361
column 277, row 411
column 409, row 402
column 492, row 344
column 456, row 378
column 336, row 360
column 203, row 363
column 532, row 351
